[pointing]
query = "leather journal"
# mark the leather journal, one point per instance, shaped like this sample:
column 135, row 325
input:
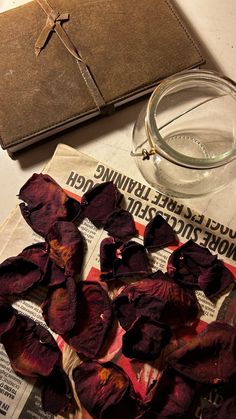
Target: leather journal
column 65, row 61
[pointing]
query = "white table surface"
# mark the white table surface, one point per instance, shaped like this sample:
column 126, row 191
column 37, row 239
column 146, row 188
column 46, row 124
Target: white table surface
column 109, row 139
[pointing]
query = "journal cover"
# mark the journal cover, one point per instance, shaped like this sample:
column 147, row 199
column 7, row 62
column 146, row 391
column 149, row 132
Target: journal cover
column 64, row 61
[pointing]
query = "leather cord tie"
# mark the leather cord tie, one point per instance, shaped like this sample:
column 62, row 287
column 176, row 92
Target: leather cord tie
column 53, row 23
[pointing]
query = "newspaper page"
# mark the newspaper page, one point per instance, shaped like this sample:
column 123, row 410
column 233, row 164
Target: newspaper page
column 76, row 173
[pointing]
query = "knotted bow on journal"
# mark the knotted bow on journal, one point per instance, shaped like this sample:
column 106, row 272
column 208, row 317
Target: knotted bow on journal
column 53, row 23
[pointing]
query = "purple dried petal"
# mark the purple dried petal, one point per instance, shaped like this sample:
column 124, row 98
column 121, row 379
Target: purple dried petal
column 55, row 275
column 94, row 319
column 18, row 275
column 59, row 308
column 120, row 224
column 45, row 202
column 171, row 396
column 129, row 306
column 57, row 397
column 209, row 357
column 180, row 306
column 7, row 316
column 66, row 246
column 195, row 266
column 99, row 202
column 145, row 339
column 31, row 348
column 104, row 390
column 158, row 234
column 133, row 261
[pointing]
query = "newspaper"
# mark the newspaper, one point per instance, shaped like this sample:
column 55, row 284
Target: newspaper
column 76, row 173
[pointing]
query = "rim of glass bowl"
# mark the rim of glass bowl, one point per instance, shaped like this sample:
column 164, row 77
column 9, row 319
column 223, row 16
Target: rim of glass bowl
column 161, row 147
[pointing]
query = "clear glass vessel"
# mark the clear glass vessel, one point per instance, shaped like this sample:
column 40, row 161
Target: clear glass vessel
column 184, row 140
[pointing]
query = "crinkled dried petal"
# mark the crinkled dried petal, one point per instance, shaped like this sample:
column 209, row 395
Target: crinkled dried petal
column 145, row 339
column 195, row 266
column 66, row 246
column 59, row 308
column 129, row 306
column 158, row 234
column 45, row 202
column 172, row 395
column 209, row 357
column 94, row 319
column 31, row 348
column 57, row 396
column 120, row 224
column 99, row 202
column 7, row 316
column 55, row 275
column 179, row 306
column 38, row 254
column 133, row 261
column 104, row 390
column 18, row 275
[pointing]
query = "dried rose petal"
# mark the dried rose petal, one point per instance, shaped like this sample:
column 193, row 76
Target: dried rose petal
column 133, row 261
column 195, row 266
column 158, row 234
column 66, row 246
column 45, row 202
column 59, row 308
column 105, row 390
column 130, row 304
column 18, row 275
column 99, row 202
column 57, row 397
column 209, row 357
column 179, row 306
column 120, row 224
column 38, row 254
column 145, row 339
column 55, row 275
column 108, row 248
column 94, row 319
column 172, row 395
column 30, row 347
column 7, row 316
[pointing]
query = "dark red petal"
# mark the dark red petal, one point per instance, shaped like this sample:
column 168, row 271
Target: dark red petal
column 145, row 339
column 99, row 202
column 94, row 319
column 59, row 308
column 7, row 316
column 129, row 306
column 226, row 410
column 180, row 306
column 45, row 202
column 195, row 266
column 55, row 275
column 158, row 234
column 57, row 397
column 18, row 275
column 108, row 249
column 134, row 261
column 38, row 254
column 215, row 279
column 104, row 390
column 210, row 357
column 120, row 224
column 172, row 395
column 66, row 246
column 31, row 348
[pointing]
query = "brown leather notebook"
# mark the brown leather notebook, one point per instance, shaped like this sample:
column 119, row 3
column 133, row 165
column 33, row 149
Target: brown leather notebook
column 65, row 61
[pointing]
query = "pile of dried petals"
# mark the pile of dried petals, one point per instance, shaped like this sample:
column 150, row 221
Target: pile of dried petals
column 152, row 309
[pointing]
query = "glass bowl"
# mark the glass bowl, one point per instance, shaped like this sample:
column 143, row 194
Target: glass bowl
column 184, row 140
